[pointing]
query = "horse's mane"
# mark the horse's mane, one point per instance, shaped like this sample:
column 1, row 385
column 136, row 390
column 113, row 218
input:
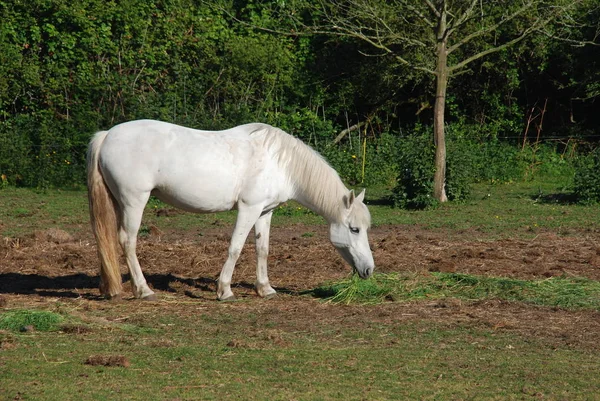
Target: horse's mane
column 312, row 177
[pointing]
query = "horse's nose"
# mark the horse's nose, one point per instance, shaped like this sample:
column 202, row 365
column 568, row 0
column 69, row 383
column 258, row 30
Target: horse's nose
column 366, row 273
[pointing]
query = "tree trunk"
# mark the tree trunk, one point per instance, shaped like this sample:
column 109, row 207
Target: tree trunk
column 439, row 179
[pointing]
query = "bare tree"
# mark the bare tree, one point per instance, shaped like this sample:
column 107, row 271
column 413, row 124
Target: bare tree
column 439, row 37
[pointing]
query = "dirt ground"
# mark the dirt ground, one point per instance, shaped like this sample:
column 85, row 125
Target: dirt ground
column 51, row 265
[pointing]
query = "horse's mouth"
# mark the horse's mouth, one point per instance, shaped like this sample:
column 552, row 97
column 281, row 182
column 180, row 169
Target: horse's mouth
column 364, row 274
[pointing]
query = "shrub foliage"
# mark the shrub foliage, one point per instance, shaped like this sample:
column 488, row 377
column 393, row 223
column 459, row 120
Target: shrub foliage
column 68, row 69
column 586, row 182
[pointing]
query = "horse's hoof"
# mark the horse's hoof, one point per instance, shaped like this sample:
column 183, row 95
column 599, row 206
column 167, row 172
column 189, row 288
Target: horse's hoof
column 264, row 291
column 270, row 296
column 114, row 298
column 151, row 297
column 230, row 298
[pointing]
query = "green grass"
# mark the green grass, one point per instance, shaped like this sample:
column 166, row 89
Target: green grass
column 355, row 290
column 562, row 292
column 19, row 320
column 518, row 209
column 227, row 353
column 197, row 350
column 23, row 211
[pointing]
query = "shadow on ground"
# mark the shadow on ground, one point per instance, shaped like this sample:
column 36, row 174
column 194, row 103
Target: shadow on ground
column 78, row 285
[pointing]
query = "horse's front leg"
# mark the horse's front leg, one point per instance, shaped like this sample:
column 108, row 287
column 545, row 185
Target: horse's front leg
column 247, row 216
column 261, row 233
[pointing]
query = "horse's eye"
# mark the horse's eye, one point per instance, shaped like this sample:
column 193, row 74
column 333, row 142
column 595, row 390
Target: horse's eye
column 355, row 230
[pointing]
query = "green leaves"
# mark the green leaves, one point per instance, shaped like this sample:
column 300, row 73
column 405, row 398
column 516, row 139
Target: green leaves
column 67, row 71
column 586, row 183
column 414, row 187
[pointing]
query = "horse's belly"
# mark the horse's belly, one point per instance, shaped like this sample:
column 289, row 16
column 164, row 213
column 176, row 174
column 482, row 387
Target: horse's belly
column 196, row 205
column 198, row 196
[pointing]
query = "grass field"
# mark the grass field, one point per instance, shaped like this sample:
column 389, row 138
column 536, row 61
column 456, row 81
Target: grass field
column 517, row 209
column 403, row 335
column 227, row 355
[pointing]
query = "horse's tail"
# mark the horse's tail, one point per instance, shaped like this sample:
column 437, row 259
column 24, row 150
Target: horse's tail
column 104, row 216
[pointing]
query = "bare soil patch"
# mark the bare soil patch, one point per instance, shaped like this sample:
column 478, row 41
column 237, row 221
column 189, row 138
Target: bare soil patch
column 108, row 360
column 39, row 270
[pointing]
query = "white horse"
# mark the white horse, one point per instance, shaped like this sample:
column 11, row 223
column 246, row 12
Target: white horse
column 253, row 168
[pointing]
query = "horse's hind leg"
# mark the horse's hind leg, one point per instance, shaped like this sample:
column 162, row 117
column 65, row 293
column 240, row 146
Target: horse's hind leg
column 261, row 233
column 130, row 224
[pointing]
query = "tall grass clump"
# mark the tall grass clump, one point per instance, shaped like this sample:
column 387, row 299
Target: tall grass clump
column 562, row 292
column 355, row 290
column 17, row 320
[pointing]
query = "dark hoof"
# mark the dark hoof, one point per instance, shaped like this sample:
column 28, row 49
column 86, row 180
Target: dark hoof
column 151, row 298
column 114, row 298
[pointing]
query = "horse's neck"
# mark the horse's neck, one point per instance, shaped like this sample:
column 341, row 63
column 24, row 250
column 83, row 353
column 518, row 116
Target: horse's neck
column 323, row 196
column 312, row 182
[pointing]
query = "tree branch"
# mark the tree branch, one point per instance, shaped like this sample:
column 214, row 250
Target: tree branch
column 419, row 14
column 489, row 29
column 348, row 130
column 379, row 45
column 462, row 64
column 575, row 43
column 433, row 8
column 463, row 18
column 536, row 26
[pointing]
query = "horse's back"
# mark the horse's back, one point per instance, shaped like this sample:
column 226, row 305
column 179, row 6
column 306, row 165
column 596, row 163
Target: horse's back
column 156, row 136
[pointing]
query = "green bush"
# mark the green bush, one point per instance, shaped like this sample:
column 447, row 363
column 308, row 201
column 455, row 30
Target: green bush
column 545, row 160
column 68, row 71
column 460, row 171
column 38, row 151
column 469, row 161
column 498, row 163
column 346, row 161
column 586, row 181
column 481, row 157
column 416, row 160
column 380, row 159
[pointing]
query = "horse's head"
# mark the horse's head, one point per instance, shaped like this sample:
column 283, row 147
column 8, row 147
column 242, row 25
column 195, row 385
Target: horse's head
column 349, row 236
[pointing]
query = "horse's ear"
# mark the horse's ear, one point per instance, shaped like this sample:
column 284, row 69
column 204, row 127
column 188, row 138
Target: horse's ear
column 361, row 196
column 349, row 199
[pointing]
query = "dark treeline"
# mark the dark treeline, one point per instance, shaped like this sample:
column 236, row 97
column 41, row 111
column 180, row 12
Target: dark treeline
column 70, row 68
